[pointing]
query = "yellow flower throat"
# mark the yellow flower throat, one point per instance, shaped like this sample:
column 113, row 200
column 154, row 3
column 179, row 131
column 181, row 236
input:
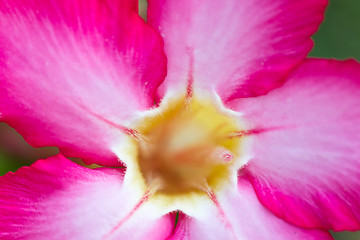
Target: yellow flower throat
column 187, row 147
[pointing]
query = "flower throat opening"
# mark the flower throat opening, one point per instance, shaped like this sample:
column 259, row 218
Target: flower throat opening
column 187, row 147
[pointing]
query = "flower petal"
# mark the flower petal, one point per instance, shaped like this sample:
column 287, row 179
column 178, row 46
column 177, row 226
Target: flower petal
column 71, row 71
column 240, row 48
column 58, row 199
column 248, row 220
column 306, row 167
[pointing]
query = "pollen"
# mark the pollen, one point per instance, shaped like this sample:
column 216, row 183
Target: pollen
column 186, row 147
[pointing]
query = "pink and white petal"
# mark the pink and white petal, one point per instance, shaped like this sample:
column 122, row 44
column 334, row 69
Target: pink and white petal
column 58, row 199
column 239, row 48
column 306, row 161
column 247, row 218
column 72, row 71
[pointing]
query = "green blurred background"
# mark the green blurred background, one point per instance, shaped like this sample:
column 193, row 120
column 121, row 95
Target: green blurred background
column 338, row 37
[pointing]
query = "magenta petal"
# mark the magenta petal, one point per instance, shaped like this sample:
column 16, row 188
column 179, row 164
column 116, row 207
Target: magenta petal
column 307, row 168
column 248, row 219
column 240, row 48
column 70, row 70
column 57, row 199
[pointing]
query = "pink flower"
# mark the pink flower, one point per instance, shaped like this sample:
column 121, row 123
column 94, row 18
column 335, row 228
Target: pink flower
column 247, row 139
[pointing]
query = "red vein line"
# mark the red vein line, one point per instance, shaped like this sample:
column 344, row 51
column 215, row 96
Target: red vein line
column 128, row 131
column 245, row 133
column 143, row 199
column 190, row 79
column 225, row 220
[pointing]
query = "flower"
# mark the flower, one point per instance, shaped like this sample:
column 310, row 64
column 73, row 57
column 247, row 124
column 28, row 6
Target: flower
column 208, row 121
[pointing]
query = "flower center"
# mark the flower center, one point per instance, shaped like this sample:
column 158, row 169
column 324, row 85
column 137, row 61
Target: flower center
column 187, row 147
